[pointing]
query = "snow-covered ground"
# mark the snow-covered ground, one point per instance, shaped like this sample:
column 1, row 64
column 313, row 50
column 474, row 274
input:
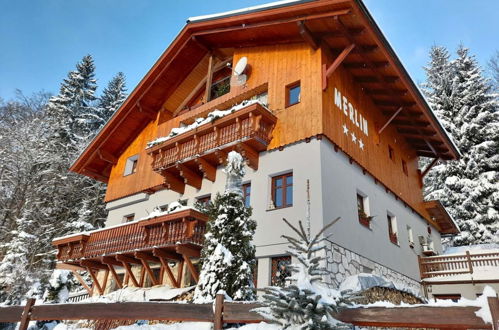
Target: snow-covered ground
column 139, row 294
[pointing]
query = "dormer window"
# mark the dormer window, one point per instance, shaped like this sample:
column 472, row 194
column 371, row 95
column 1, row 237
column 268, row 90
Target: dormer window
column 131, row 165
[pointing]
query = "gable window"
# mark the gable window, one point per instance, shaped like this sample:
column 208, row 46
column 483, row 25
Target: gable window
column 293, row 94
column 280, row 271
column 131, row 165
column 364, row 218
column 282, row 190
column 391, row 153
column 392, row 228
column 404, row 167
column 129, row 217
column 246, row 194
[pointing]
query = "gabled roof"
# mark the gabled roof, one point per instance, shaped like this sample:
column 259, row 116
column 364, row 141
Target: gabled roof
column 334, row 24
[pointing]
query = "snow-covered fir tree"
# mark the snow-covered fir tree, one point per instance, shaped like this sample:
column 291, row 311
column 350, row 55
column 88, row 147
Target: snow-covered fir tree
column 228, row 255
column 112, row 98
column 307, row 302
column 469, row 187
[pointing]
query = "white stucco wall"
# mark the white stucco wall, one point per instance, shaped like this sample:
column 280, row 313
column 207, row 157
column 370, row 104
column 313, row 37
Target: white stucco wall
column 333, row 186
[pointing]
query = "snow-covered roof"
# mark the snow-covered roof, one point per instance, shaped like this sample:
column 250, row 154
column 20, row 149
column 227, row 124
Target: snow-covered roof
column 247, row 10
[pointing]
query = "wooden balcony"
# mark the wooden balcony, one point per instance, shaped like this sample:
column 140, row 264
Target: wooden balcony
column 173, row 237
column 194, row 155
column 451, row 268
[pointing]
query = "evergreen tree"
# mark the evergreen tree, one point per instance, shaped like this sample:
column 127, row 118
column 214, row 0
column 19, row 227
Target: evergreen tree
column 228, row 256
column 306, row 303
column 112, row 98
column 468, row 188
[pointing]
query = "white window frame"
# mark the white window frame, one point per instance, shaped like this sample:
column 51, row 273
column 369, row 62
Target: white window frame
column 129, row 165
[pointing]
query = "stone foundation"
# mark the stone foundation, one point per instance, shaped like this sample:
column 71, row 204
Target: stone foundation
column 342, row 263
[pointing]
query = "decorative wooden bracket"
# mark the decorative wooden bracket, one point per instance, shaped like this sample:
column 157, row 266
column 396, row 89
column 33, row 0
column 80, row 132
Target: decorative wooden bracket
column 328, row 71
column 190, row 177
column 144, row 258
column 126, row 264
column 250, row 154
column 209, row 171
column 172, row 182
column 428, row 168
column 390, row 120
column 307, row 35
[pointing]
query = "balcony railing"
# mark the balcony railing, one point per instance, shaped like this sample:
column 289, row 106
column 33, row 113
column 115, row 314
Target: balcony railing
column 194, row 155
column 185, row 227
column 450, row 265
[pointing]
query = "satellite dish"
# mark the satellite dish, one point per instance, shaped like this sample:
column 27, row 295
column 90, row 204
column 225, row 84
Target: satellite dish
column 240, row 66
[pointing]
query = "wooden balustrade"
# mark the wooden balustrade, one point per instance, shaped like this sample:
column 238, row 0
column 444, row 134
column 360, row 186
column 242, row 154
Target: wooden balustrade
column 184, row 227
column 194, row 155
column 446, row 265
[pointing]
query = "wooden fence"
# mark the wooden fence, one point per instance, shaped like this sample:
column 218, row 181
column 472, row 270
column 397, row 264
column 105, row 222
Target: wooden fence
column 232, row 312
column 456, row 264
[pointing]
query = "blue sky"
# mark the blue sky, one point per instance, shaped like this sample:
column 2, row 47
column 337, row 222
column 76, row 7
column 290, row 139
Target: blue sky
column 41, row 40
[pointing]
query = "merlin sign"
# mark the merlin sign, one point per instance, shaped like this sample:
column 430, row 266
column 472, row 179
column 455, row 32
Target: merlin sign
column 354, row 116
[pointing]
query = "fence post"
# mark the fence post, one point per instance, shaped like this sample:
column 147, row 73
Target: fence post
column 494, row 311
column 470, row 265
column 26, row 314
column 219, row 305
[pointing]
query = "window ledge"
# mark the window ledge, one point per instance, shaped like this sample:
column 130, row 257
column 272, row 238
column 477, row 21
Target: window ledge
column 279, row 208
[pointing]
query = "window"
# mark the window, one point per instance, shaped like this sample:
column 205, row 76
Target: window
column 404, row 167
column 183, row 202
column 410, row 236
column 129, row 217
column 163, row 208
column 280, row 271
column 293, row 93
column 364, row 218
column 131, row 165
column 453, row 297
column 282, row 190
column 391, row 153
column 246, row 194
column 204, row 200
column 392, row 228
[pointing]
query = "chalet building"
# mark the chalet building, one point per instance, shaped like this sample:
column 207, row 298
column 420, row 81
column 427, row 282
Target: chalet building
column 311, row 94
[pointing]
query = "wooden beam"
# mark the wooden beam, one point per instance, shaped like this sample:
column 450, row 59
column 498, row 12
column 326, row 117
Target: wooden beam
column 142, row 277
column 147, row 268
column 390, row 120
column 328, row 71
column 375, row 79
column 95, row 280
column 250, row 154
column 400, row 92
column 129, row 273
column 180, row 272
column 190, row 177
column 394, row 103
column 95, row 175
column 157, row 252
column 104, row 282
column 307, row 35
column 169, row 272
column 146, row 256
column 274, row 22
column 199, row 86
column 187, row 251
column 25, row 316
column 201, row 43
column 115, row 276
column 60, row 265
column 192, row 269
column 92, row 264
column 494, row 311
column 82, row 282
column 428, row 168
column 146, row 111
column 172, row 182
column 122, row 258
column 107, row 156
column 110, row 261
column 209, row 77
column 209, row 171
column 362, row 65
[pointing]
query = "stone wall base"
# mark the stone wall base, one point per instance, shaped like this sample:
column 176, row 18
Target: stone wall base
column 342, row 263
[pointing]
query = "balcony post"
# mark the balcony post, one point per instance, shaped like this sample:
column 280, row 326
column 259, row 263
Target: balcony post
column 470, row 264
